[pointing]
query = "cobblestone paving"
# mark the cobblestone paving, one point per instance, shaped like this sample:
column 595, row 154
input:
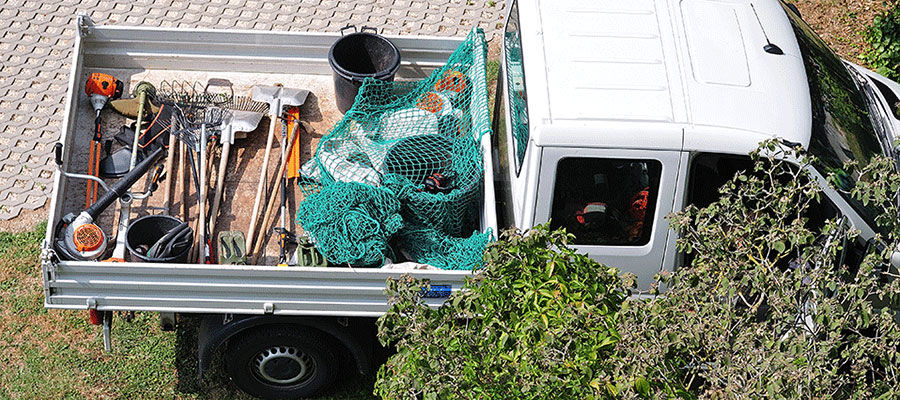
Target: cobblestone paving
column 35, row 52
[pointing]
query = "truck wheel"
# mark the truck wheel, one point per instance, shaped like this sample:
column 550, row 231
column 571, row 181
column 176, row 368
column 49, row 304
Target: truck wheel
column 281, row 362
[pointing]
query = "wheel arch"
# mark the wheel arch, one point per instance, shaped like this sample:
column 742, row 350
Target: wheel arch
column 216, row 329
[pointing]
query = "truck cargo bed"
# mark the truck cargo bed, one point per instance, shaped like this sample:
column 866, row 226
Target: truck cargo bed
column 246, row 58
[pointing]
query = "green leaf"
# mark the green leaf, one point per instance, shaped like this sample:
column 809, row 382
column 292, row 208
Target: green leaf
column 642, row 386
column 778, row 246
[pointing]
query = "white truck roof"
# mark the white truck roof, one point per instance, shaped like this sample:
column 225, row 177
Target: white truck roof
column 695, row 67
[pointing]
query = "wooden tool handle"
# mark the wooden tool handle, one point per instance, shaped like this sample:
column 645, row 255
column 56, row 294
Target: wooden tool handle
column 270, row 207
column 262, row 180
column 170, row 175
column 220, row 188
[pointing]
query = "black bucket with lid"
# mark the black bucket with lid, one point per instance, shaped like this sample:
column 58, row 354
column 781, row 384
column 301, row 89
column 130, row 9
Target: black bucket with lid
column 144, row 232
column 358, row 56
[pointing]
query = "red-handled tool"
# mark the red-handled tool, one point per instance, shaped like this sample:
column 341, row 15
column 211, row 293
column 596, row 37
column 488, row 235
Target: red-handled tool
column 100, row 88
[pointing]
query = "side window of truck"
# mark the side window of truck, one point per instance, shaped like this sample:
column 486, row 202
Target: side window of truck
column 708, row 172
column 606, row 202
column 515, row 84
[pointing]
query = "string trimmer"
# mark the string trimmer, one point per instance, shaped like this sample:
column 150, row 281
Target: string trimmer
column 141, row 91
column 100, row 88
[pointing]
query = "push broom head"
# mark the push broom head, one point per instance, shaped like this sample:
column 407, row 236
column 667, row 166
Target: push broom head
column 246, row 114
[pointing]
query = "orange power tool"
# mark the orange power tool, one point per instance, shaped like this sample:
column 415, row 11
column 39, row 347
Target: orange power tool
column 100, row 88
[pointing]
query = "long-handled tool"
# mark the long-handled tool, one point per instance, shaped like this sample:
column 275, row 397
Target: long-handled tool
column 100, row 88
column 244, row 116
column 184, row 120
column 212, row 118
column 277, row 97
column 193, row 132
column 270, row 204
column 170, row 171
column 216, row 93
column 194, row 117
column 292, row 116
column 177, row 94
column 141, row 91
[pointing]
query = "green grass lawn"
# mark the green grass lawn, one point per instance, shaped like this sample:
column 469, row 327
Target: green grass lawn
column 55, row 354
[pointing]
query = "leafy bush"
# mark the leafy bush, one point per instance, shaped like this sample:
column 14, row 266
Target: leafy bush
column 883, row 38
column 777, row 298
column 539, row 322
column 770, row 304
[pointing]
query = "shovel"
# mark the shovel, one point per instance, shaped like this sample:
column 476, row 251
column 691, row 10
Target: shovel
column 277, row 97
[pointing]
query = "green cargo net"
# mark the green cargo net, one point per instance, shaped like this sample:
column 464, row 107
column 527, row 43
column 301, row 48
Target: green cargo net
column 411, row 148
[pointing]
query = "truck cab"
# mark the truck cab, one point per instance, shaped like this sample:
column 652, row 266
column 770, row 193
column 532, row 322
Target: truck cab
column 617, row 114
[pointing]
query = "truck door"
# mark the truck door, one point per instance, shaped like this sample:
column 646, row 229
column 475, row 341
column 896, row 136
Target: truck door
column 614, row 201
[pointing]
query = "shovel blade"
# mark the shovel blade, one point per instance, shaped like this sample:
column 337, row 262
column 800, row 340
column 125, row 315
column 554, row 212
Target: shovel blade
column 245, row 121
column 279, row 96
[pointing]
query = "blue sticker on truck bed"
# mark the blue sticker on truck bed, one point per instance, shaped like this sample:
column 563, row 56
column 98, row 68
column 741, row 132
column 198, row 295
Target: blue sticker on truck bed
column 437, row 291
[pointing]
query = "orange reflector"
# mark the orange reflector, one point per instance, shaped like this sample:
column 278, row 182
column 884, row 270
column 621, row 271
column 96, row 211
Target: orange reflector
column 430, row 102
column 451, row 80
column 87, row 237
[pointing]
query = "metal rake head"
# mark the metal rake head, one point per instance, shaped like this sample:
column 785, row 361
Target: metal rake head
column 189, row 122
column 184, row 94
column 188, row 94
column 213, row 117
column 184, row 125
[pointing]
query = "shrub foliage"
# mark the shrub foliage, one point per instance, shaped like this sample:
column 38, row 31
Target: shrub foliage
column 539, row 322
column 775, row 301
column 883, row 38
column 776, row 298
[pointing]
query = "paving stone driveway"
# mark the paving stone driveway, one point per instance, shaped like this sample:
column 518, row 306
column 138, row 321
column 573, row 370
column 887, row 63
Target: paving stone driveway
column 35, row 53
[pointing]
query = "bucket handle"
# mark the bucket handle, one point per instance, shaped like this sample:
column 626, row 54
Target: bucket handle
column 361, row 29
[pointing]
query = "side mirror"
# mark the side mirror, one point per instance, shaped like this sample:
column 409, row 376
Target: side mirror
column 895, row 259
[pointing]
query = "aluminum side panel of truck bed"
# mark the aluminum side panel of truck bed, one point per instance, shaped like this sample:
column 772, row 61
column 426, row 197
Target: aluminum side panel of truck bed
column 188, row 288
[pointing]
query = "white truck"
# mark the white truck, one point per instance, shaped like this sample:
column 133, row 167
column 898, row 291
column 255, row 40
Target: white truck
column 614, row 115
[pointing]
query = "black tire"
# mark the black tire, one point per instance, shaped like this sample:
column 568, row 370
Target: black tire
column 282, row 362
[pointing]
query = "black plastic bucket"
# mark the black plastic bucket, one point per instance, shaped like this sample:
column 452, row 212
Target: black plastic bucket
column 145, row 231
column 358, row 56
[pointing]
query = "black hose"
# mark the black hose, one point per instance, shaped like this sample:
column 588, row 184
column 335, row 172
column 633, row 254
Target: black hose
column 178, row 244
column 165, row 239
